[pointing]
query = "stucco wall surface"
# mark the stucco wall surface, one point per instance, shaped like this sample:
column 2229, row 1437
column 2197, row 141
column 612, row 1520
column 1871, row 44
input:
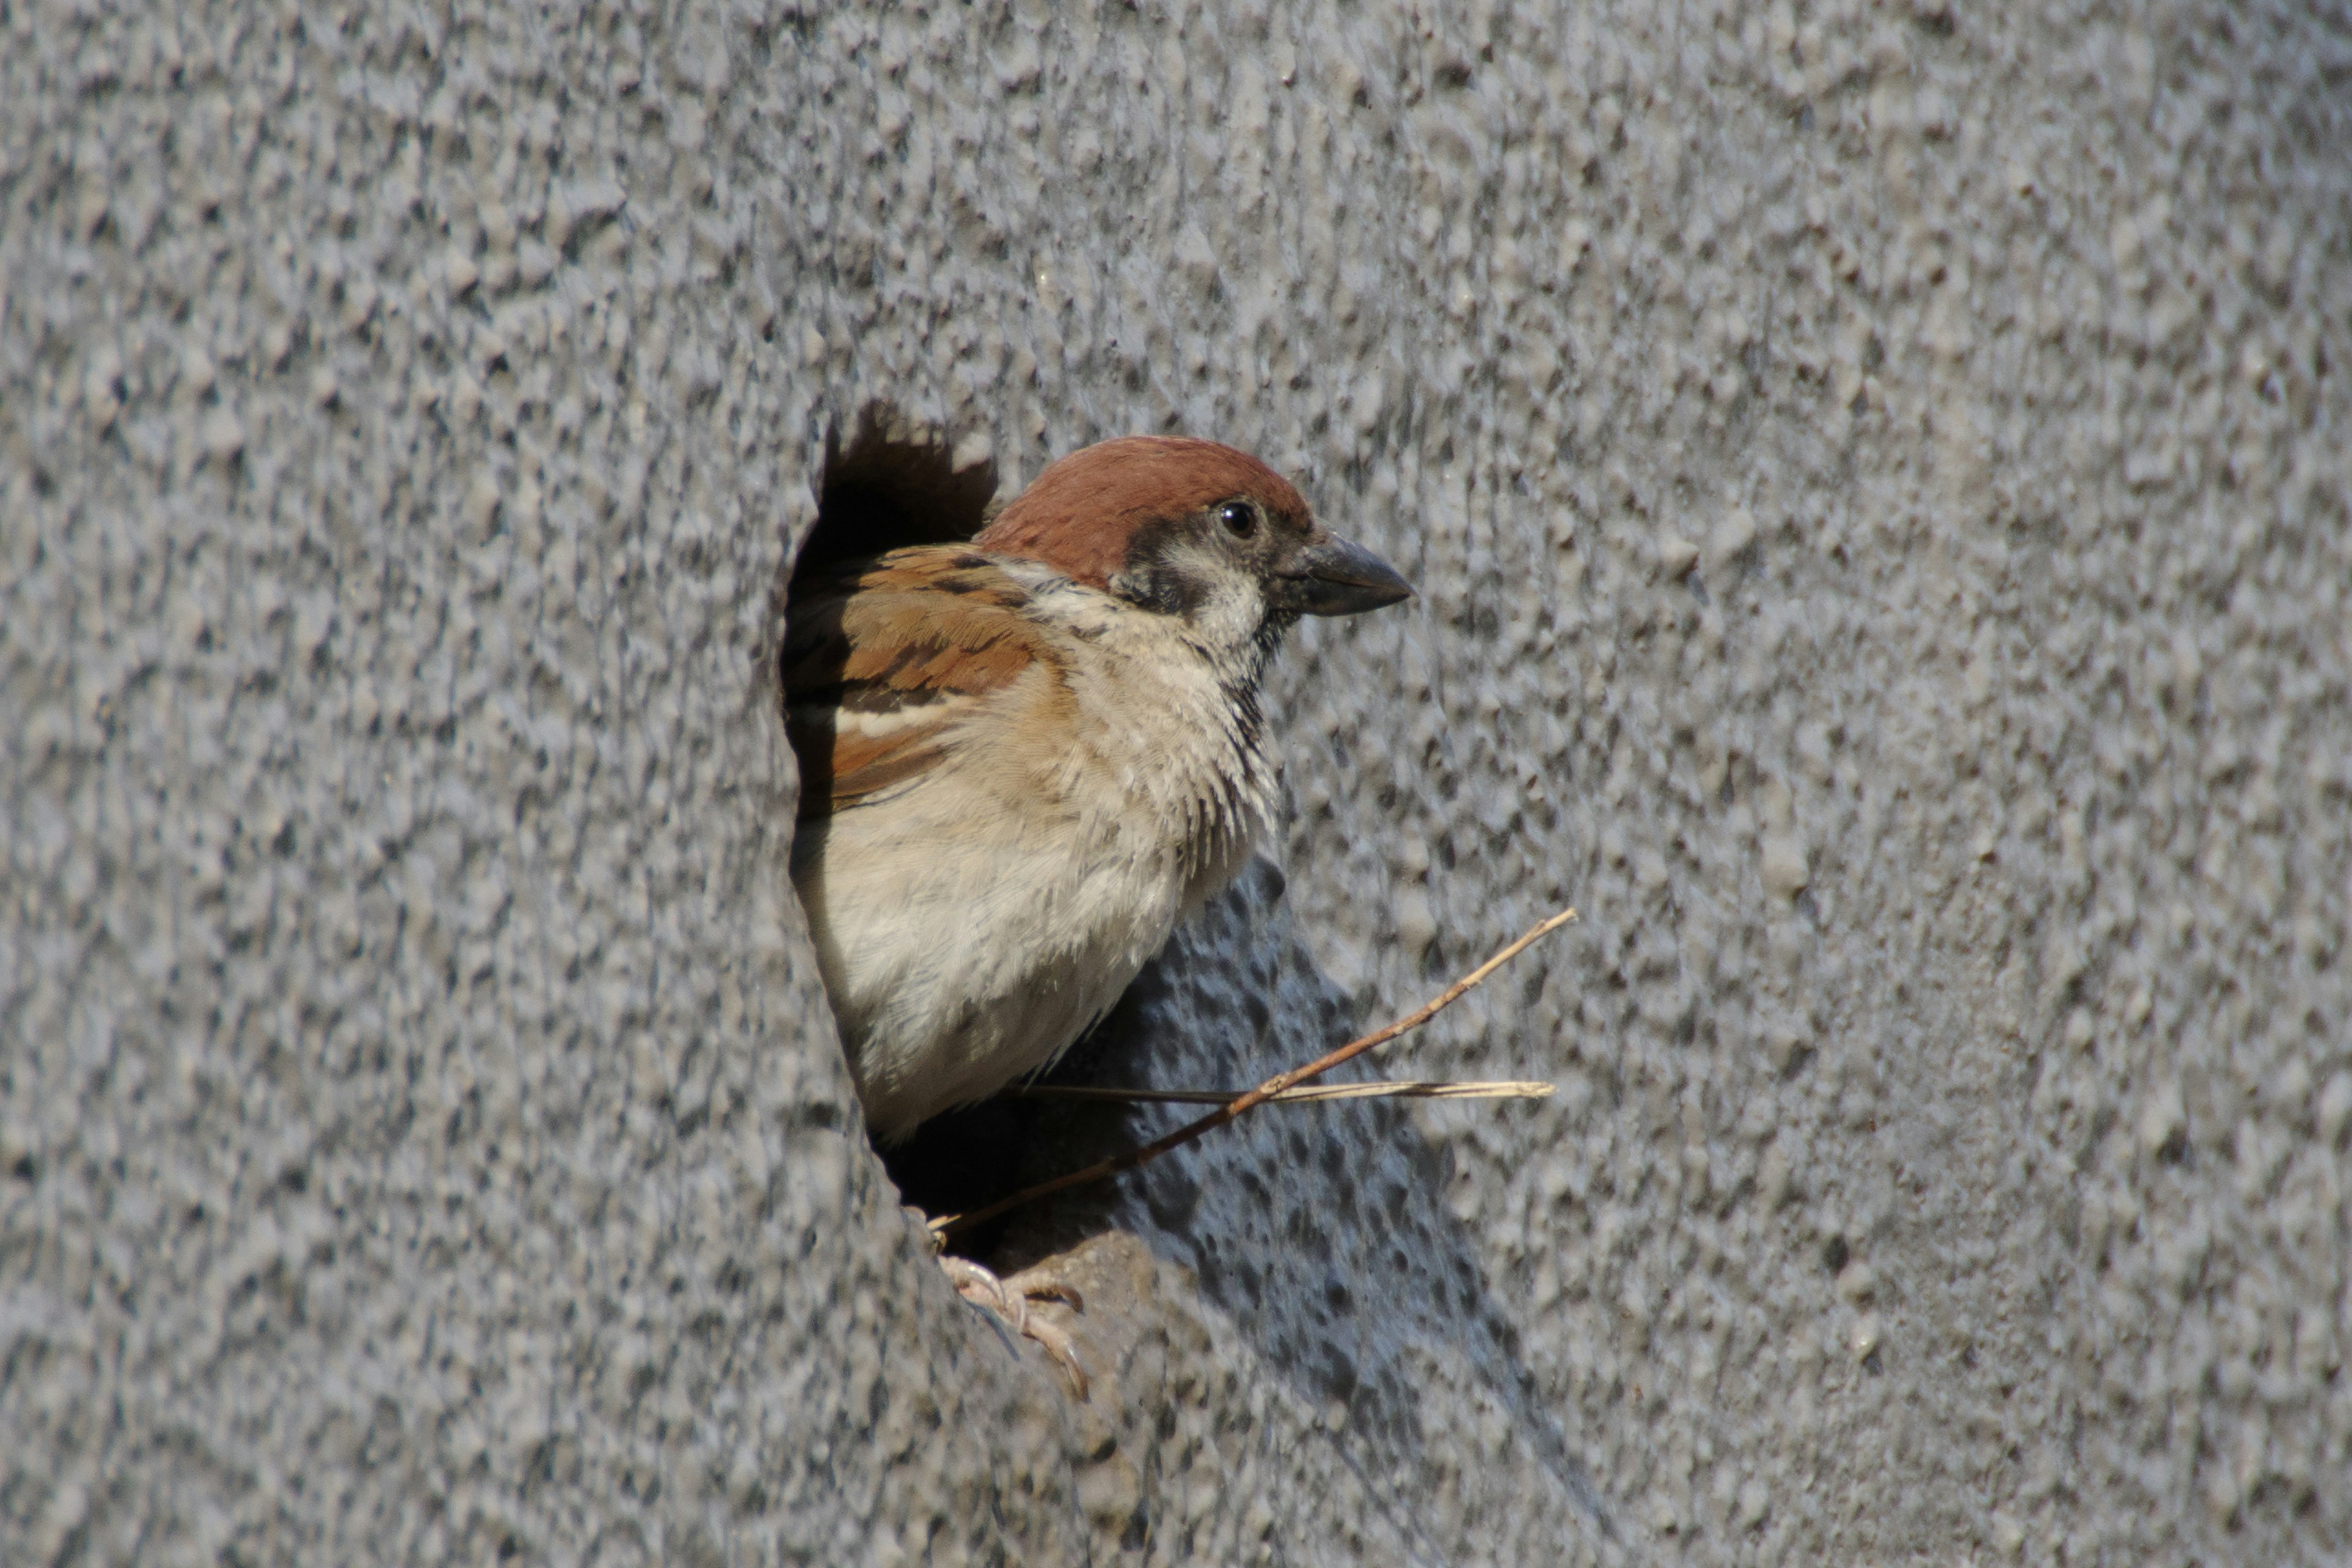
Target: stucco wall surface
column 1876, row 477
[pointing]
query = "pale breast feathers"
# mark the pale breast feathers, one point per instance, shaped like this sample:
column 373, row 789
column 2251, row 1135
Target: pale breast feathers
column 883, row 658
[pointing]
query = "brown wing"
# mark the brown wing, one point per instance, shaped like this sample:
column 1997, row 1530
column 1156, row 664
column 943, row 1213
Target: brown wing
column 881, row 657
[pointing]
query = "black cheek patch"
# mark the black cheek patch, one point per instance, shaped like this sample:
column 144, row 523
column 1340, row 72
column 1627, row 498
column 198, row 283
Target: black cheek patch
column 1152, row 579
column 1165, row 588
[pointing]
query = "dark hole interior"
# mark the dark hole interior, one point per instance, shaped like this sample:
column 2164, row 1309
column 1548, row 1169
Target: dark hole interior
column 892, row 482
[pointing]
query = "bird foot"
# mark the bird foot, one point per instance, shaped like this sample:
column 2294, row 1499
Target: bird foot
column 1009, row 1300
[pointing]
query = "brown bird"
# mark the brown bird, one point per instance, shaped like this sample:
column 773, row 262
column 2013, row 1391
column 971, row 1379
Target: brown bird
column 1025, row 760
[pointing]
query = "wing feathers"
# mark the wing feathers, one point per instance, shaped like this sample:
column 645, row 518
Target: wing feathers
column 882, row 657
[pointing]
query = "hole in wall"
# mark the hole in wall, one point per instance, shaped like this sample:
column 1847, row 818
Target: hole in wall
column 892, row 481
column 889, row 481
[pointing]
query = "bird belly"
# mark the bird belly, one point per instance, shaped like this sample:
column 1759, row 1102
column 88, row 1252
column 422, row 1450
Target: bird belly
column 961, row 956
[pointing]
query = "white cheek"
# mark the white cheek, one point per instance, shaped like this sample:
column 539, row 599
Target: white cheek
column 1233, row 615
column 1236, row 606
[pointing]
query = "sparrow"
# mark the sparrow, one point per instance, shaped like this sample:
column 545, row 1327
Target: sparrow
column 1026, row 759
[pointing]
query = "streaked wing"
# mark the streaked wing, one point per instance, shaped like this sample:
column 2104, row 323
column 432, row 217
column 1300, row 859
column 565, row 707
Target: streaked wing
column 883, row 656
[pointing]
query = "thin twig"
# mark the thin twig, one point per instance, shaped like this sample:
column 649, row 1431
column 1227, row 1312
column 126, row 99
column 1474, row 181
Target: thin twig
column 1128, row 1159
column 1392, row 1090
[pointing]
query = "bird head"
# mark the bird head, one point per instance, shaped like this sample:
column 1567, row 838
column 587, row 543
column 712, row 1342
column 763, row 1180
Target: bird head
column 1195, row 529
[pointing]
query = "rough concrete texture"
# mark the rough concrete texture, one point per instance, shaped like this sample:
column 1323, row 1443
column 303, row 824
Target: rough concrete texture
column 1877, row 480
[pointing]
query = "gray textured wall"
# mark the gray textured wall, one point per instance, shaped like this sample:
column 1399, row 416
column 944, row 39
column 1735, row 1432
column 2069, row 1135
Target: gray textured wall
column 1877, row 477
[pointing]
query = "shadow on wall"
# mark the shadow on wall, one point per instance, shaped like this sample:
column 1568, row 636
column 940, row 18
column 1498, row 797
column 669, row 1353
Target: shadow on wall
column 1322, row 1234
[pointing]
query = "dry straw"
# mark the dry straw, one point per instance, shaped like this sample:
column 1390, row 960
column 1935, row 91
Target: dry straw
column 1499, row 1089
column 1274, row 1088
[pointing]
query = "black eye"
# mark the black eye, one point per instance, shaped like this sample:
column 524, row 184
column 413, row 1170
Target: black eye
column 1240, row 519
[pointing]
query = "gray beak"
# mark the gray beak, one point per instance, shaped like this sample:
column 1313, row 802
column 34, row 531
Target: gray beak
column 1334, row 576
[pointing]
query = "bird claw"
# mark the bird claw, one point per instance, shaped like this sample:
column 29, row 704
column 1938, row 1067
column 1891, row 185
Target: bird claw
column 1009, row 1300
